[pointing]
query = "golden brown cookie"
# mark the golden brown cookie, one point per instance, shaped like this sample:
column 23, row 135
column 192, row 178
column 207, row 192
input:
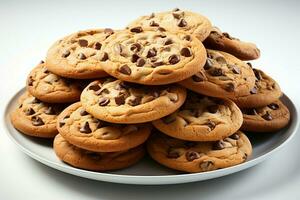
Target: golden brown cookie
column 123, row 102
column 272, row 117
column 84, row 159
column 51, row 88
column 176, row 21
column 224, row 42
column 223, row 76
column 83, row 130
column 265, row 91
column 79, row 55
column 153, row 57
column 199, row 156
column 202, row 118
column 36, row 118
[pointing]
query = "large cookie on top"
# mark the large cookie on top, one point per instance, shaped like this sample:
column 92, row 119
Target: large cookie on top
column 153, row 57
column 122, row 102
column 79, row 55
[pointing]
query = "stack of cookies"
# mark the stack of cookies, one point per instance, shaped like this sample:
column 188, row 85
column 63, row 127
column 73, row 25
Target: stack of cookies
column 169, row 79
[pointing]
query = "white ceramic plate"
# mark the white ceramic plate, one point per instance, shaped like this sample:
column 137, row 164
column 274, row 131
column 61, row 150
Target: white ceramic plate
column 147, row 172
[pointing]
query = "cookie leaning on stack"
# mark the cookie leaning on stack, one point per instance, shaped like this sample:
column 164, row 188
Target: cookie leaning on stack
column 156, row 72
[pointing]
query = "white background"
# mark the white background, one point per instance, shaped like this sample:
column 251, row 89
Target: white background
column 28, row 28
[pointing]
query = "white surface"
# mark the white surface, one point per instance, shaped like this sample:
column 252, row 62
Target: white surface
column 146, row 171
column 29, row 27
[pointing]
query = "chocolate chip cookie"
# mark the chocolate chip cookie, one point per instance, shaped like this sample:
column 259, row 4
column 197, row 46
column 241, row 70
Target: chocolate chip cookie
column 79, row 55
column 202, row 118
column 224, row 42
column 123, row 102
column 51, row 88
column 83, row 130
column 265, row 91
column 272, row 117
column 95, row 161
column 223, row 76
column 153, row 57
column 36, row 118
column 199, row 156
column 176, row 21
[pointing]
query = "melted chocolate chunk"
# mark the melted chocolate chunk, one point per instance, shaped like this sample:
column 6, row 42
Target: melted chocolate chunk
column 103, row 101
column 81, row 56
column 140, row 62
column 273, row 106
column 108, row 31
column 30, row 81
column 134, row 102
column 134, row 58
column 97, row 45
column 153, row 23
column 219, row 145
column 120, row 99
column 191, row 155
column 61, row 124
column 187, row 37
column 83, row 43
column 94, row 87
column 66, row 53
column 208, row 64
column 253, row 90
column 104, row 57
column 124, row 69
column 236, row 69
column 267, row 116
column 173, row 59
column 168, row 42
column 186, row 52
column 37, row 121
column 135, row 47
column 83, row 112
column 172, row 153
column 137, row 29
column 182, row 23
column 257, row 74
column 85, row 128
column 235, row 136
column 221, row 60
column 216, row 72
column 151, row 53
column 50, row 111
column 197, row 78
column 229, row 87
column 211, row 125
column 29, row 111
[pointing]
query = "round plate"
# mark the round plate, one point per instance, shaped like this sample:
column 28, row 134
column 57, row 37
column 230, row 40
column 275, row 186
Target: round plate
column 147, row 171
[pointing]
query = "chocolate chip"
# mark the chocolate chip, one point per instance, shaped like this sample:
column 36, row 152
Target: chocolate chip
column 161, row 29
column 187, row 37
column 104, row 57
column 61, row 124
column 190, row 144
column 197, row 78
column 236, row 70
column 120, row 99
column 29, row 111
column 30, row 81
column 227, row 35
column 235, row 136
column 172, row 153
column 124, row 69
column 191, row 155
column 257, row 74
column 83, row 43
column 253, row 90
column 216, row 72
column 153, row 23
column 21, row 105
column 66, row 53
column 103, row 101
column 273, row 106
column 108, row 31
column 134, row 58
column 42, row 62
column 136, row 47
column 85, row 128
column 37, row 121
column 267, row 116
column 168, row 41
column 182, row 23
column 250, row 65
column 134, row 102
column 208, row 64
column 151, row 53
column 104, row 91
column 95, row 87
column 176, row 9
column 50, row 111
column 229, row 87
column 185, row 52
column 97, row 45
column 173, row 59
column 83, row 112
column 213, row 108
column 156, row 64
column 211, row 124
column 81, row 56
column 140, row 62
column 219, row 145
column 221, row 60
column 137, row 29
column 169, row 119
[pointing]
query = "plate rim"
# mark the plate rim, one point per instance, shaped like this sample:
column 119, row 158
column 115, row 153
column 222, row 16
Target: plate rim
column 150, row 179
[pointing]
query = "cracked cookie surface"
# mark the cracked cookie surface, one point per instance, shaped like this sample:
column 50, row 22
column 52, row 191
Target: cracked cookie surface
column 224, row 42
column 153, row 57
column 176, row 21
column 51, row 88
column 272, row 117
column 95, row 161
column 117, row 101
column 36, row 118
column 79, row 55
column 265, row 91
column 202, row 118
column 83, row 130
column 199, row 156
column 223, row 75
